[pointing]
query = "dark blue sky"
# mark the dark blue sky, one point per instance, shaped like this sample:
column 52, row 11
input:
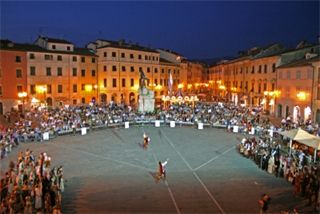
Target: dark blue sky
column 195, row 29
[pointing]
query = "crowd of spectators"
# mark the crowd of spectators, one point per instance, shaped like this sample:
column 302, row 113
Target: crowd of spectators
column 298, row 168
column 31, row 185
column 267, row 153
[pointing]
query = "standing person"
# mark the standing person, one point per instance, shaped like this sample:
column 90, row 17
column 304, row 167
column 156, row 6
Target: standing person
column 264, row 203
column 162, row 169
column 146, row 141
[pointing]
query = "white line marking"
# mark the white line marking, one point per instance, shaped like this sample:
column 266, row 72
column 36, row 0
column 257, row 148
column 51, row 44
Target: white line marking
column 195, row 174
column 105, row 158
column 172, row 197
column 166, row 182
column 212, row 159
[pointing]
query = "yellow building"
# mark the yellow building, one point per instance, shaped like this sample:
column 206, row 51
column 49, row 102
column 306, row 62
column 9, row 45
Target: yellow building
column 59, row 73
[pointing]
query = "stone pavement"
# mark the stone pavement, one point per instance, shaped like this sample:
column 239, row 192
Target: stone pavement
column 107, row 171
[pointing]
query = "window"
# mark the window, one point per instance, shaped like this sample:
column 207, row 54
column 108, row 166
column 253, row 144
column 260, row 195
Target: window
column 162, row 70
column 32, row 89
column 156, row 81
column 74, row 72
column 252, row 71
column 131, row 82
column 18, row 58
column 132, row 68
column 82, row 87
column 74, row 88
column 32, row 71
column 140, row 68
column 83, row 59
column 265, row 86
column 93, row 73
column 260, row 69
column 48, row 71
column 131, row 56
column 318, row 75
column 59, row 71
column 74, row 102
column 105, row 82
column 74, row 59
column 309, row 74
column 153, row 58
column 288, row 74
column 104, row 68
column 148, row 69
column 156, row 70
column 298, row 75
column 19, row 88
column 161, row 81
column 123, row 68
column 105, row 54
column 53, row 47
column 139, row 57
column 145, row 57
column 68, row 48
column 114, row 68
column 48, row 57
column 114, row 54
column 59, row 58
column 49, row 89
column 31, row 56
column 114, row 82
column 83, row 73
column 318, row 93
column 93, row 60
column 18, row 73
column 59, row 88
column 123, row 55
column 272, row 87
column 0, row 90
column 123, row 82
column 273, row 67
column 265, row 69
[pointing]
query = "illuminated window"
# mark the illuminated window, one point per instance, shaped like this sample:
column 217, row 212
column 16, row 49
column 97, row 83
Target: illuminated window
column 19, row 73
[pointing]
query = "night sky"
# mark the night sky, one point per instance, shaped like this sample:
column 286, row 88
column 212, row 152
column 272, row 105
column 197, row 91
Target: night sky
column 195, row 29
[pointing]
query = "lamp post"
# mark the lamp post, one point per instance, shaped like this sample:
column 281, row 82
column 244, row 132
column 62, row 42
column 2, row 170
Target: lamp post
column 22, row 96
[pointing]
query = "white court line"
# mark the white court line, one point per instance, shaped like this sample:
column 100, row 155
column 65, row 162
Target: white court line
column 212, row 159
column 105, row 158
column 166, row 182
column 172, row 197
column 195, row 174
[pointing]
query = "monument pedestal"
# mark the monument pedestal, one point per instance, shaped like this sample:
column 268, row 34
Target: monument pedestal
column 146, row 100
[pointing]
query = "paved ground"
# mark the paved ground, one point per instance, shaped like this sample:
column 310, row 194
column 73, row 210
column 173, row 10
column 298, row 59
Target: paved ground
column 107, row 171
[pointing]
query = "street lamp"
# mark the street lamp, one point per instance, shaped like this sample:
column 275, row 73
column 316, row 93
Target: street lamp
column 22, row 96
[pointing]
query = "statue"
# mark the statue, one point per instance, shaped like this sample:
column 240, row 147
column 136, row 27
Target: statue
column 146, row 96
column 142, row 80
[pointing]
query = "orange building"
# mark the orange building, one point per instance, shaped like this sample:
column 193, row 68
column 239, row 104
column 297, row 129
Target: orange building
column 13, row 76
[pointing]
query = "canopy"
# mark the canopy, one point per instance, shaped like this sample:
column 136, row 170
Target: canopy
column 303, row 137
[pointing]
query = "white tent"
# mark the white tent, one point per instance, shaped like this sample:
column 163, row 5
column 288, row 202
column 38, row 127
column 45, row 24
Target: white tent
column 302, row 137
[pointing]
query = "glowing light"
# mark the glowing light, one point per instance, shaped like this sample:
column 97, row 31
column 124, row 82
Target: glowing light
column 22, row 94
column 88, row 88
column 222, row 87
column 302, row 95
column 135, row 87
column 180, row 86
column 41, row 88
column 189, row 86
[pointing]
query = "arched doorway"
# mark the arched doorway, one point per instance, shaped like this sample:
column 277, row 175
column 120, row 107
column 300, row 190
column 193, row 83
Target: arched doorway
column 287, row 111
column 296, row 114
column 279, row 110
column 318, row 116
column 103, row 98
column 1, row 109
column 114, row 98
column 132, row 99
column 49, row 101
column 307, row 113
